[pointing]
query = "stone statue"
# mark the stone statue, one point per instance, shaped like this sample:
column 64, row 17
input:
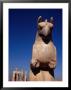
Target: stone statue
column 43, row 53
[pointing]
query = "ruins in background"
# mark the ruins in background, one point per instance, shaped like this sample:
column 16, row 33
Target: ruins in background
column 18, row 75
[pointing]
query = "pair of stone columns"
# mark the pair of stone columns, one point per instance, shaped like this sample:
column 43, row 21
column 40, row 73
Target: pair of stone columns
column 18, row 76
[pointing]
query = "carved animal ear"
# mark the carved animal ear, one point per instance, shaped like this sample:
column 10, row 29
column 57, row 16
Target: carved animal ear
column 40, row 19
column 46, row 20
column 51, row 20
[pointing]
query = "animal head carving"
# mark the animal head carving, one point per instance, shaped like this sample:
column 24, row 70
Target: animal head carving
column 45, row 27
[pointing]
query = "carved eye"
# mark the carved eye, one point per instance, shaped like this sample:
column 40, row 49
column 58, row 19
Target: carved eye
column 40, row 27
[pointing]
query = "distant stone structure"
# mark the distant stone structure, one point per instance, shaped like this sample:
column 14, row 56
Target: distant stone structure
column 43, row 53
column 18, row 75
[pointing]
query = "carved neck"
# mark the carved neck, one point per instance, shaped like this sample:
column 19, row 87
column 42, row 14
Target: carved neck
column 46, row 39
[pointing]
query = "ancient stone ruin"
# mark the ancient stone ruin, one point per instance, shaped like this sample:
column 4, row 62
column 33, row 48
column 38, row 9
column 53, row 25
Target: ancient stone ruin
column 18, row 75
column 43, row 60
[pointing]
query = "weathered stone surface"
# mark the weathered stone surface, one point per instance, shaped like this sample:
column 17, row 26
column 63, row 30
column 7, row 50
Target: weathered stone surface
column 43, row 53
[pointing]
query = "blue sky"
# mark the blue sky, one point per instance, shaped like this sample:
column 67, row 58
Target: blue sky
column 22, row 32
